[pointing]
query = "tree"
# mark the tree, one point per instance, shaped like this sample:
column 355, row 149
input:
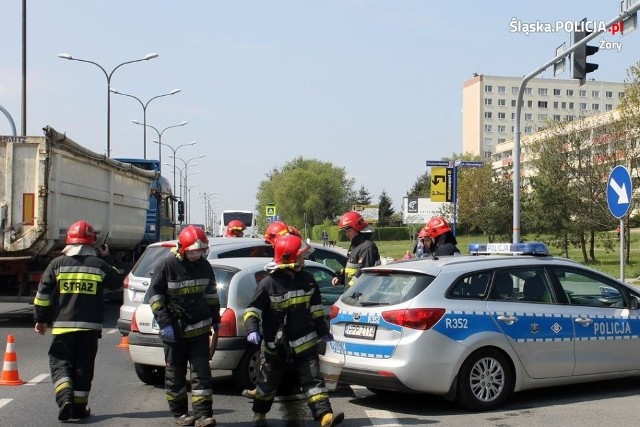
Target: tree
column 363, row 197
column 305, row 189
column 385, row 209
column 422, row 186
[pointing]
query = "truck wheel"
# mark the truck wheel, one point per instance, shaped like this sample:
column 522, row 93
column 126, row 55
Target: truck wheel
column 151, row 375
column 245, row 375
column 484, row 381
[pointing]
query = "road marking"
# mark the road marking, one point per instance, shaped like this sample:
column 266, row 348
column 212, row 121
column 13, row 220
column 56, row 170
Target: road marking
column 4, row 402
column 37, row 379
column 381, row 418
column 112, row 331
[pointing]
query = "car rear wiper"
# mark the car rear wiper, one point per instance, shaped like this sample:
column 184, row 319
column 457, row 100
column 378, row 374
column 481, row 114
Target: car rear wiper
column 372, row 303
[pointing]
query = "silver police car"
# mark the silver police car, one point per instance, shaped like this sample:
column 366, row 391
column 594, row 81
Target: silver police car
column 476, row 328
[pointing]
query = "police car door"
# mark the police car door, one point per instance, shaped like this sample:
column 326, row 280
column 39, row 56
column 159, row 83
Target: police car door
column 523, row 306
column 607, row 332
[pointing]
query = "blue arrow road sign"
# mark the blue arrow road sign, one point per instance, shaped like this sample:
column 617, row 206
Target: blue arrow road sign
column 619, row 191
column 437, row 162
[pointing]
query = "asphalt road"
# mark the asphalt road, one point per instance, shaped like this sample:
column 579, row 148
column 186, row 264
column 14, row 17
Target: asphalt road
column 118, row 398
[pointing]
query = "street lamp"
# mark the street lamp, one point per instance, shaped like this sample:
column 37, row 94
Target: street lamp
column 144, row 110
column 159, row 132
column 108, row 75
column 189, row 202
column 174, row 157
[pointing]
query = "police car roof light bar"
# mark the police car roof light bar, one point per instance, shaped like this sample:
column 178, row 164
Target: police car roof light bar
column 526, row 248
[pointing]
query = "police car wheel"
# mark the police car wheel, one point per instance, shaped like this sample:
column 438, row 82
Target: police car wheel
column 151, row 375
column 245, row 375
column 484, row 381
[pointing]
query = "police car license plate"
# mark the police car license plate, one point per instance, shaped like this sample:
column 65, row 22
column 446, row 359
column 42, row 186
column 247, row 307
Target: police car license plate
column 357, row 330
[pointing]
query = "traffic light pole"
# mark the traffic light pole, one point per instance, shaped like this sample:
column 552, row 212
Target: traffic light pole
column 516, row 133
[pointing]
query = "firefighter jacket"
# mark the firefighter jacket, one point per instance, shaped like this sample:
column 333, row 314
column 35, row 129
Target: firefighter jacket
column 71, row 293
column 445, row 244
column 184, row 294
column 362, row 253
column 289, row 309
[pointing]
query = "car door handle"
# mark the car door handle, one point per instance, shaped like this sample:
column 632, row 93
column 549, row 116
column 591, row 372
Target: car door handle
column 584, row 321
column 509, row 320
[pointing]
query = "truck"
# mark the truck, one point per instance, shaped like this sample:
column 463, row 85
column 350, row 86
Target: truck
column 49, row 182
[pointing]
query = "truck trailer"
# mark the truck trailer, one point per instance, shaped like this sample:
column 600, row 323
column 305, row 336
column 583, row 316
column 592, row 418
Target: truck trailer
column 49, row 182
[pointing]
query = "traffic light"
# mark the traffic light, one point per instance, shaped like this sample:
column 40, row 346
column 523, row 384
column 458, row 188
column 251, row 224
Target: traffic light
column 581, row 67
column 180, row 211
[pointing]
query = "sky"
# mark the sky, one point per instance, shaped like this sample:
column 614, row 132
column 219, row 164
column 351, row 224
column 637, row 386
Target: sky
column 371, row 86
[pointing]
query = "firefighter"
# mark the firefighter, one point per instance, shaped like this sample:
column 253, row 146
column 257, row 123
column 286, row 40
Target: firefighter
column 362, row 253
column 185, row 303
column 235, row 228
column 70, row 298
column 287, row 307
column 274, row 230
column 443, row 242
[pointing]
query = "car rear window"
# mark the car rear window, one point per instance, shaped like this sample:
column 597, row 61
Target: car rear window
column 150, row 260
column 223, row 278
column 385, row 288
column 252, row 251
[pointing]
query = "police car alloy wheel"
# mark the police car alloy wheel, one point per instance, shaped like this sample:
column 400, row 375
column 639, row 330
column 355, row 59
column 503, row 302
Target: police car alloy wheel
column 485, row 380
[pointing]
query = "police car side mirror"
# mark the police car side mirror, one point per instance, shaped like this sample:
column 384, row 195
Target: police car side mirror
column 633, row 303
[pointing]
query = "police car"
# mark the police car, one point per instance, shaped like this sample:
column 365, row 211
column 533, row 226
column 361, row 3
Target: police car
column 476, row 328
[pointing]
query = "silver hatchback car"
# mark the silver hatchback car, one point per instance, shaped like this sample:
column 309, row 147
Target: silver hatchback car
column 236, row 279
column 477, row 328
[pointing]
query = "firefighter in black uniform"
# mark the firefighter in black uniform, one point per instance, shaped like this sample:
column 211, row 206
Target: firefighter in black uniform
column 70, row 298
column 288, row 306
column 443, row 242
column 362, row 253
column 185, row 303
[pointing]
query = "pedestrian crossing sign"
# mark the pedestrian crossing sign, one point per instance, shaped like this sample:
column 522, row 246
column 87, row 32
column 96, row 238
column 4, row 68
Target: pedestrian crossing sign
column 270, row 210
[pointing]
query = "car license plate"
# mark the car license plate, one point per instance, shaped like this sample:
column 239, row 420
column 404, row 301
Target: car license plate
column 357, row 330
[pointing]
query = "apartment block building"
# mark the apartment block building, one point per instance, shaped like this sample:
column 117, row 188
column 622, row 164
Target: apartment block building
column 489, row 106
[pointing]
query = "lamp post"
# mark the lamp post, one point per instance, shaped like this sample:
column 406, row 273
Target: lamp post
column 108, row 75
column 144, row 110
column 174, row 150
column 186, row 174
column 189, row 201
column 159, row 132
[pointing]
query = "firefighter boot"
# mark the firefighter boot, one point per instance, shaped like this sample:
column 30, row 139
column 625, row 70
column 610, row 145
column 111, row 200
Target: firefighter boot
column 205, row 422
column 184, row 420
column 250, row 393
column 329, row 419
column 65, row 411
column 80, row 411
column 259, row 420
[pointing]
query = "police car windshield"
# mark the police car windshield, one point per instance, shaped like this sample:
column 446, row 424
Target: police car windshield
column 385, row 288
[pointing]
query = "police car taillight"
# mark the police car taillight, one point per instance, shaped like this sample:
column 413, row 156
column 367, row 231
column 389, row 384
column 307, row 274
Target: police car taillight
column 526, row 248
column 414, row 318
column 333, row 312
column 228, row 324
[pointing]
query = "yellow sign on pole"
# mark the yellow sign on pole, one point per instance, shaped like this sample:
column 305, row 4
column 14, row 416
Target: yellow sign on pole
column 438, row 184
column 270, row 210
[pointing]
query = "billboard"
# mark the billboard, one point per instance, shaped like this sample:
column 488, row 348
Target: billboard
column 419, row 210
column 368, row 212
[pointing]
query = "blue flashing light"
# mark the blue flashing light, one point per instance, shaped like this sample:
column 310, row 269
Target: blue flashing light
column 526, row 248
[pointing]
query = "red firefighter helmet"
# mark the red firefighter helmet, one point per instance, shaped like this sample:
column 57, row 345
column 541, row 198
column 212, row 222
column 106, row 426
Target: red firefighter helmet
column 353, row 219
column 437, row 226
column 294, row 230
column 424, row 232
column 81, row 233
column 234, row 227
column 274, row 231
column 192, row 238
column 287, row 249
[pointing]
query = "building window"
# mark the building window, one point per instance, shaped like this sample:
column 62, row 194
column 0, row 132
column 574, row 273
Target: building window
column 620, row 95
column 571, row 106
column 564, row 105
column 583, row 105
column 530, row 104
column 569, row 118
column 528, row 116
column 527, row 91
column 608, row 107
column 488, row 128
column 502, row 89
column 487, row 154
column 608, row 94
column 488, row 89
column 501, row 140
column 555, row 104
column 595, row 94
column 528, row 129
column 542, row 117
column 540, row 128
column 595, row 107
column 488, row 114
column 502, row 115
column 502, row 102
column 569, row 92
column 488, row 141
column 542, row 104
column 502, row 129
column 513, row 102
column 542, row 91
column 556, row 117
column 488, row 101
column 513, row 116
column 556, row 92
column 583, row 93
column 514, row 90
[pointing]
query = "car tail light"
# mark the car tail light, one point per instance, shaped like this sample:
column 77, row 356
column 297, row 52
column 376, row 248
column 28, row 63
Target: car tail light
column 333, row 312
column 414, row 318
column 134, row 323
column 228, row 324
column 125, row 282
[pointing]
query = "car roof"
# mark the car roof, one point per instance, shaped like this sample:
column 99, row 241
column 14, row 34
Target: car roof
column 248, row 262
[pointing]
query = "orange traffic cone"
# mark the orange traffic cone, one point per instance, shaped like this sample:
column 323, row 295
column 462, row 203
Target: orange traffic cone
column 10, row 374
column 124, row 342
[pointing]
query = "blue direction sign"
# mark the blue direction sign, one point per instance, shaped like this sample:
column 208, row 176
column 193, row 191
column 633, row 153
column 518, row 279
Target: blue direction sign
column 437, row 162
column 619, row 191
column 471, row 164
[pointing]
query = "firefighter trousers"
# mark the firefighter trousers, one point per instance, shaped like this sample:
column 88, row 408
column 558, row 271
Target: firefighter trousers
column 178, row 355
column 72, row 358
column 307, row 367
